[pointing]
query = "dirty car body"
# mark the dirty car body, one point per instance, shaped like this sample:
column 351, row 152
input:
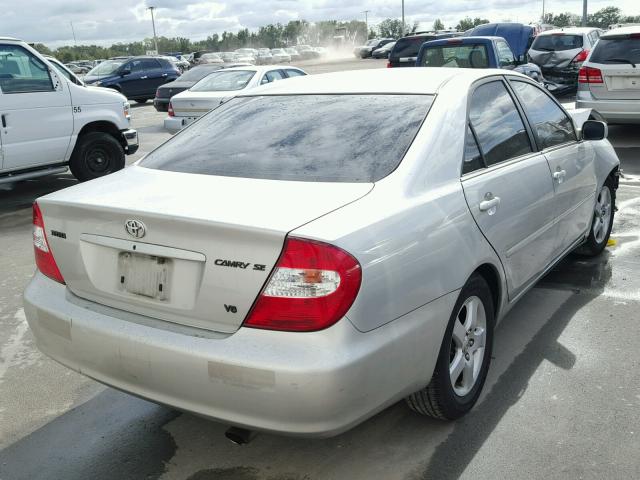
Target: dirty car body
column 178, row 279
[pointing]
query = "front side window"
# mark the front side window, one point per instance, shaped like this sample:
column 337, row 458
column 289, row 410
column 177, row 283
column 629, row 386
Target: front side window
column 22, row 72
column 550, row 124
column 505, row 55
column 314, row 138
column 497, row 124
column 455, row 56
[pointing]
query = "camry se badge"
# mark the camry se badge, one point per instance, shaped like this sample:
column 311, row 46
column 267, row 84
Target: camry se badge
column 135, row 228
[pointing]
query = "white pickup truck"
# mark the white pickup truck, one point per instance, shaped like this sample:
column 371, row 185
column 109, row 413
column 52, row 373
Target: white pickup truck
column 50, row 121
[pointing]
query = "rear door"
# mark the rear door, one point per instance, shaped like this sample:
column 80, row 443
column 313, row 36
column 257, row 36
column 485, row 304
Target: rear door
column 571, row 162
column 156, row 74
column 617, row 57
column 35, row 109
column 508, row 185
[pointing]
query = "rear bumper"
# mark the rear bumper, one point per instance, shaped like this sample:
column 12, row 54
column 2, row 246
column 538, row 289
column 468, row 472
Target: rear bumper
column 161, row 104
column 131, row 137
column 614, row 111
column 309, row 384
column 175, row 124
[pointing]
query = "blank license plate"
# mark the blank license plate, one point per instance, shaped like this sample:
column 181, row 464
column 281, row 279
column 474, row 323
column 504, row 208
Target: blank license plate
column 625, row 83
column 144, row 275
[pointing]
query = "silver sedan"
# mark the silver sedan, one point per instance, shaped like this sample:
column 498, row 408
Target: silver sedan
column 288, row 264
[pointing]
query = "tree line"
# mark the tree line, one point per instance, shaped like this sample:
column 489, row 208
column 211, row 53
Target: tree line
column 298, row 32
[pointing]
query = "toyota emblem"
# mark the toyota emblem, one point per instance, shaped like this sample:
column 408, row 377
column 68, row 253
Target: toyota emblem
column 135, row 228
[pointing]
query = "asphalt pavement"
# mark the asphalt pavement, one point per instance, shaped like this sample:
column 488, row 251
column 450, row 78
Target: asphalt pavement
column 562, row 399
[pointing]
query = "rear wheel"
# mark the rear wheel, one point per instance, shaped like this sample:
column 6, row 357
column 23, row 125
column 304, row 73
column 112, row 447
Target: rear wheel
column 465, row 354
column 603, row 214
column 96, row 154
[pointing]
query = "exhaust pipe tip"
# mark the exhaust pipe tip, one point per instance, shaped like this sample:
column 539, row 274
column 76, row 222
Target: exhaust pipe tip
column 239, row 436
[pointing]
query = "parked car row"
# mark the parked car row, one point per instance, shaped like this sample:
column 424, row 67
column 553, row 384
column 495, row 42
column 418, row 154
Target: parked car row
column 261, row 56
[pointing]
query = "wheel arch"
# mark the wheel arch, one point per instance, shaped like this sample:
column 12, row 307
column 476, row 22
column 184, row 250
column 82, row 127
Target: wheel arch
column 105, row 127
column 490, row 274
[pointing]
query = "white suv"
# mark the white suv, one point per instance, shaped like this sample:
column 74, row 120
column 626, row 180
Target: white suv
column 609, row 80
column 50, row 121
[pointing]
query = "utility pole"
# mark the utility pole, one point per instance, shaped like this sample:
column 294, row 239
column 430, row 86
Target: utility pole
column 75, row 42
column 403, row 25
column 543, row 20
column 584, row 13
column 153, row 22
column 366, row 22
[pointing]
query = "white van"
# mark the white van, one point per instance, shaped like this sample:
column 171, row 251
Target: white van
column 50, row 121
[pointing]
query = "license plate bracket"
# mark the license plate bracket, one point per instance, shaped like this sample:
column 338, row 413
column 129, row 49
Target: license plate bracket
column 145, row 275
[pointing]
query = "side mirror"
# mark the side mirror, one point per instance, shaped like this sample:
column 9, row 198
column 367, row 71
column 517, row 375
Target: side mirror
column 125, row 72
column 594, row 130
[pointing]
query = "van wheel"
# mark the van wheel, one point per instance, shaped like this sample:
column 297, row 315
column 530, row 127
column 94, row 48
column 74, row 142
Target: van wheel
column 465, row 354
column 96, row 154
column 604, row 211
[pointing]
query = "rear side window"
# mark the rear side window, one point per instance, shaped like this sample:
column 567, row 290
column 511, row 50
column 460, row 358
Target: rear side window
column 551, row 125
column 321, row 138
column 617, row 50
column 408, row 47
column 497, row 124
column 557, row 42
column 455, row 56
column 472, row 157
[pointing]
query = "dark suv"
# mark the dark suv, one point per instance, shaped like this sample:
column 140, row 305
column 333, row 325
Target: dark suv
column 137, row 78
column 405, row 51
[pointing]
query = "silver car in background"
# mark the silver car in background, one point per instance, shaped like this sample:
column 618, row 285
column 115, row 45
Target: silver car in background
column 559, row 53
column 609, row 80
column 275, row 266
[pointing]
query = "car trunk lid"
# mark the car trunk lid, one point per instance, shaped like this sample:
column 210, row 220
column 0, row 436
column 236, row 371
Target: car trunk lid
column 192, row 104
column 621, row 82
column 183, row 248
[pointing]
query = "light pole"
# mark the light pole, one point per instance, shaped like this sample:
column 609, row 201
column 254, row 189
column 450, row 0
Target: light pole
column 153, row 22
column 543, row 20
column 366, row 22
column 75, row 42
column 584, row 13
column 403, row 27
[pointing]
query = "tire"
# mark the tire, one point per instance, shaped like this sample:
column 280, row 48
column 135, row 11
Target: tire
column 96, row 154
column 441, row 399
column 141, row 100
column 600, row 229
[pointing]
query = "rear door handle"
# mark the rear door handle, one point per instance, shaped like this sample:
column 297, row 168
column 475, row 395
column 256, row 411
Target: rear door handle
column 486, row 205
column 144, row 78
column 4, row 121
column 559, row 175
column 164, row 74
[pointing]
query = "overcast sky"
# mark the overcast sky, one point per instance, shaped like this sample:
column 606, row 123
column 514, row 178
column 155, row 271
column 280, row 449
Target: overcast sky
column 108, row 21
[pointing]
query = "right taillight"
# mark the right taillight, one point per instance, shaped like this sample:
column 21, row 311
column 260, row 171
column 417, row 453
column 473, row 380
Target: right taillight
column 44, row 258
column 170, row 110
column 389, row 65
column 590, row 75
column 312, row 287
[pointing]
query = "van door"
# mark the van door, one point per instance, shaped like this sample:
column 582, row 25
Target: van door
column 572, row 163
column 35, row 110
column 508, row 186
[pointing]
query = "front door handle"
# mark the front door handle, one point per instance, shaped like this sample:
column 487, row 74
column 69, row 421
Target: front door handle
column 165, row 74
column 4, row 120
column 144, row 78
column 488, row 205
column 559, row 175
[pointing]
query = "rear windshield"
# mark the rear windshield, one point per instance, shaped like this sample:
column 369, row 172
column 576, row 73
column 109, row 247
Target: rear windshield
column 197, row 73
column 409, row 46
column 616, row 50
column 455, row 56
column 321, row 138
column 557, row 42
column 224, row 81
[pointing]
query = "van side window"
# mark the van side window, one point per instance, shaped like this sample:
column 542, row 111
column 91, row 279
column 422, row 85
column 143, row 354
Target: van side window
column 22, row 72
column 497, row 123
column 550, row 124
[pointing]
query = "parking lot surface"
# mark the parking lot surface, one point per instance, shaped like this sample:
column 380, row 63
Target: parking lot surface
column 561, row 400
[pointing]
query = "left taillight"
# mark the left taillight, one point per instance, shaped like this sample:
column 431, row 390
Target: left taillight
column 312, row 287
column 170, row 111
column 44, row 258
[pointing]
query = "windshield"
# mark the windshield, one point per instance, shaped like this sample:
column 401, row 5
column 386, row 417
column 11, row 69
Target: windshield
column 455, row 56
column 409, row 47
column 617, row 50
column 196, row 73
column 557, row 42
column 322, row 138
column 106, row 68
column 372, row 42
column 229, row 80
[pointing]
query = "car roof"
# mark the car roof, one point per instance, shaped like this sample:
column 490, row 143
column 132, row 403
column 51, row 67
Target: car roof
column 621, row 31
column 381, row 81
column 570, row 30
